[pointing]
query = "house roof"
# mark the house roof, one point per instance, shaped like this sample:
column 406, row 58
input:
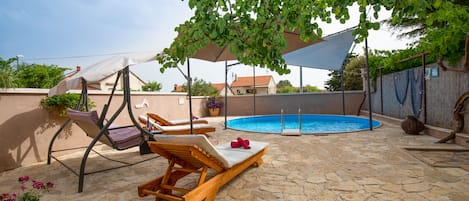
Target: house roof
column 178, row 88
column 218, row 86
column 262, row 80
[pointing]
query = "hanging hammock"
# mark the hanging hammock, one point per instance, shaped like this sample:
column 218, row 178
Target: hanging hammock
column 401, row 85
column 416, row 91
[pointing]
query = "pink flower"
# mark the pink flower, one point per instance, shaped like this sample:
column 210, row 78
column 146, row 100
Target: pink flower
column 23, row 188
column 49, row 185
column 23, row 179
column 38, row 185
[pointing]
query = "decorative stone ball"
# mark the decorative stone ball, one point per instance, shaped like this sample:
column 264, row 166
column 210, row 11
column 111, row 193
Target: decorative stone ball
column 411, row 125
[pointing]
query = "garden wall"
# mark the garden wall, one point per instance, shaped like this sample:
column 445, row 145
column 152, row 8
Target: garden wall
column 26, row 129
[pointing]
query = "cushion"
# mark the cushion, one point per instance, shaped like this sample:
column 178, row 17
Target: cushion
column 228, row 156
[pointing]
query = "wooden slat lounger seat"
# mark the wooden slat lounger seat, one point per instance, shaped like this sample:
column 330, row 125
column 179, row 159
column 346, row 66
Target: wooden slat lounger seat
column 195, row 154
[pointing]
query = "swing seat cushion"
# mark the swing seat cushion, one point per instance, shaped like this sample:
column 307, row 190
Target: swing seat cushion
column 125, row 137
column 120, row 137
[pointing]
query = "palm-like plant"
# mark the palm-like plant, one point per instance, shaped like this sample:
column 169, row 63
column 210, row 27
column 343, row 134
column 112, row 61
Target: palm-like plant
column 7, row 78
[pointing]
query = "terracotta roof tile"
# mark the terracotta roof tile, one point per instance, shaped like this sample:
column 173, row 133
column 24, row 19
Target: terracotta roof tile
column 218, row 86
column 248, row 81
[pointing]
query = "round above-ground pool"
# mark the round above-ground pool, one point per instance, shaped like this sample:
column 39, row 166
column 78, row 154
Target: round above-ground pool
column 310, row 123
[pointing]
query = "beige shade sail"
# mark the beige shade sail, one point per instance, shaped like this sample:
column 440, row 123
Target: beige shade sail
column 213, row 53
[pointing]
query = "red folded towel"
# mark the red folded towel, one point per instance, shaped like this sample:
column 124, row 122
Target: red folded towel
column 235, row 143
column 240, row 143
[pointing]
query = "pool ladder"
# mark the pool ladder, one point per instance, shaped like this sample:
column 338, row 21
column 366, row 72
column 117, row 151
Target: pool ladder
column 290, row 131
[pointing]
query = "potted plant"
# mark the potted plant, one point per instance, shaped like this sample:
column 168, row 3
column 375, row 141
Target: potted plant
column 214, row 106
column 58, row 104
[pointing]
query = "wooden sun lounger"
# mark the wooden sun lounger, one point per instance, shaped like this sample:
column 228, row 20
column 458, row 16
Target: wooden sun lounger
column 195, row 154
column 165, row 122
column 177, row 129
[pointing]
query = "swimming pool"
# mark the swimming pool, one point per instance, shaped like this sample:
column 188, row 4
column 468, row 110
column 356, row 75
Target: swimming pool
column 310, row 123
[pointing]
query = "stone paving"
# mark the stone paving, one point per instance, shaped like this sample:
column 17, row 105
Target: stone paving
column 368, row 165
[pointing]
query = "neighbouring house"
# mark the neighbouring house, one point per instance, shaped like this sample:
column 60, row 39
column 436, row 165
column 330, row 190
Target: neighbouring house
column 221, row 89
column 245, row 85
column 178, row 88
column 107, row 83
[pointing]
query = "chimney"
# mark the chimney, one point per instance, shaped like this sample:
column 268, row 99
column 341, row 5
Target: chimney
column 78, row 68
column 175, row 87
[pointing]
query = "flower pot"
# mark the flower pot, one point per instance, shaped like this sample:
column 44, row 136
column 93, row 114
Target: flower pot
column 214, row 111
column 412, row 125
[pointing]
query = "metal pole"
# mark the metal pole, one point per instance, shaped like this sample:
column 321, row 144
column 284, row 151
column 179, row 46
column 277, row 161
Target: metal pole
column 254, row 91
column 424, row 90
column 189, row 85
column 342, row 84
column 381, row 87
column 370, row 111
column 301, row 79
column 226, row 91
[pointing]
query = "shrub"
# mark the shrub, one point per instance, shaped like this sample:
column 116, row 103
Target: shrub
column 60, row 103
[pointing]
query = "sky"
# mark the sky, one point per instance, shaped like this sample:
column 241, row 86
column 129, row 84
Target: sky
column 84, row 32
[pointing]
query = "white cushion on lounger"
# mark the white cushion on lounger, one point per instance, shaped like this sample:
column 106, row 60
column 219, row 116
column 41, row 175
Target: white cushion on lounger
column 224, row 153
column 174, row 128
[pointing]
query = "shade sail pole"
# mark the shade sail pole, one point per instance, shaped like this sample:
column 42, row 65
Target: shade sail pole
column 254, row 91
column 226, row 91
column 189, row 86
column 368, row 85
column 301, row 79
column 342, row 84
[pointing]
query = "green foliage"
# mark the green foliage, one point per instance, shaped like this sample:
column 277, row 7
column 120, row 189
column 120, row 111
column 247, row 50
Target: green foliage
column 200, row 87
column 283, row 83
column 442, row 25
column 285, row 87
column 39, row 76
column 152, row 86
column 60, row 103
column 29, row 76
column 287, row 90
column 253, row 30
column 352, row 73
column 7, row 73
column 310, row 88
column 334, row 83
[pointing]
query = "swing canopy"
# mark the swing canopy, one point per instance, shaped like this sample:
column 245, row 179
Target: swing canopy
column 98, row 71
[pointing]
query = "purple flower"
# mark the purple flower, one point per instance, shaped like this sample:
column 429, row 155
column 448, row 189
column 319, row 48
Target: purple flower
column 212, row 103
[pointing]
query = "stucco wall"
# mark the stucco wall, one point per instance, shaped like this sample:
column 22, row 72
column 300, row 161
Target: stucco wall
column 26, row 129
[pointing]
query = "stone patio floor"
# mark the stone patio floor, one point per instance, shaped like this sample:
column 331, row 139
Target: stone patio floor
column 368, row 165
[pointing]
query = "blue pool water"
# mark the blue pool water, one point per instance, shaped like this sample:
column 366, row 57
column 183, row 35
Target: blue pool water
column 310, row 123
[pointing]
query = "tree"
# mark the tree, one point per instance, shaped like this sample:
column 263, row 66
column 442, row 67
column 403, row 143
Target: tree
column 253, row 30
column 283, row 83
column 7, row 73
column 152, row 86
column 201, row 88
column 334, row 83
column 284, row 86
column 310, row 88
column 39, row 76
column 440, row 25
column 287, row 89
column 352, row 73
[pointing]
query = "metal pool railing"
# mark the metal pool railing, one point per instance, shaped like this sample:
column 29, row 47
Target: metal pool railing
column 290, row 131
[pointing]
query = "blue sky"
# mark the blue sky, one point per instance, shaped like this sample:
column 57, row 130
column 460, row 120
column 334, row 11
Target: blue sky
column 72, row 33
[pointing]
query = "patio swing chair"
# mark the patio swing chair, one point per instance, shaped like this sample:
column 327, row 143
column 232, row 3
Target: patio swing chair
column 100, row 130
